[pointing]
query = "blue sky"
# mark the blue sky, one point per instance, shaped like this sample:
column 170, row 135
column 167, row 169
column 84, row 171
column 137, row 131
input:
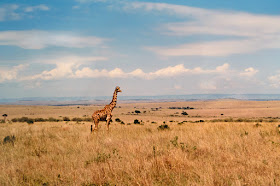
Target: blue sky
column 172, row 47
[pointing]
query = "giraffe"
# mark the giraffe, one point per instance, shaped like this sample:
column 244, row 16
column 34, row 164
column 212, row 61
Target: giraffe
column 105, row 114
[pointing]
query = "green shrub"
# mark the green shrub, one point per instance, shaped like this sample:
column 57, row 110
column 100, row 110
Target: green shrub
column 51, row 119
column 136, row 121
column 228, row 120
column 174, row 142
column 77, row 119
column 118, row 120
column 15, row 120
column 184, row 113
column 137, row 111
column 39, row 120
column 66, row 119
column 9, row 139
column 257, row 125
column 163, row 127
column 88, row 119
column 23, row 119
column 30, row 121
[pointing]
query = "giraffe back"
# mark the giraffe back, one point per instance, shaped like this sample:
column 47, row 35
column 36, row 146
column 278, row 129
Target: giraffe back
column 102, row 114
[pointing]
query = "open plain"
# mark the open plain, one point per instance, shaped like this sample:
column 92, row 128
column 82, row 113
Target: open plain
column 221, row 142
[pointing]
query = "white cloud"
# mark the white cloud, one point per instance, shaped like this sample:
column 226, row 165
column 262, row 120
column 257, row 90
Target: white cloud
column 76, row 68
column 249, row 72
column 38, row 7
column 169, row 71
column 89, row 73
column 17, row 12
column 218, row 48
column 138, row 73
column 62, row 70
column 219, row 69
column 256, row 32
column 275, row 80
column 217, row 22
column 7, row 74
column 37, row 39
column 73, row 59
column 65, row 67
column 8, row 12
column 70, row 71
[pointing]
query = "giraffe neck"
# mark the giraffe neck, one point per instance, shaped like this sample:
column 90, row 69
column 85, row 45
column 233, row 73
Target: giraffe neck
column 114, row 101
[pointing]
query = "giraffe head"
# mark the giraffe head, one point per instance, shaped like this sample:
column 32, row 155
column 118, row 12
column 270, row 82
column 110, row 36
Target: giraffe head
column 118, row 89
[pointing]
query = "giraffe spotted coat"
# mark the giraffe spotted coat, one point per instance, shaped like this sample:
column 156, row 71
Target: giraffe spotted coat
column 105, row 114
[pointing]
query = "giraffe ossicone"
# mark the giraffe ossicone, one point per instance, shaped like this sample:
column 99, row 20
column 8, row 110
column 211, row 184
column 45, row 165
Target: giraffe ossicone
column 105, row 114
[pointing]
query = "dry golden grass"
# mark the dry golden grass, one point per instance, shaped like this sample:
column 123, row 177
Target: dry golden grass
column 205, row 153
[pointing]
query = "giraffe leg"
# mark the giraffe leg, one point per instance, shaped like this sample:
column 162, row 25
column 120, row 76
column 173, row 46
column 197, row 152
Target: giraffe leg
column 95, row 125
column 108, row 121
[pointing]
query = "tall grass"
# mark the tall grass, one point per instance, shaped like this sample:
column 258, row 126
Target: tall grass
column 189, row 154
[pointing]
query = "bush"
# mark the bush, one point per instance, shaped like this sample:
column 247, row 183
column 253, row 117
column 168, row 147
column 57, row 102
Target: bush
column 23, row 119
column 39, row 120
column 257, row 125
column 163, row 127
column 30, row 121
column 137, row 111
column 9, row 139
column 228, row 120
column 136, row 121
column 51, row 119
column 77, row 119
column 15, row 120
column 184, row 113
column 118, row 120
column 66, row 119
column 88, row 119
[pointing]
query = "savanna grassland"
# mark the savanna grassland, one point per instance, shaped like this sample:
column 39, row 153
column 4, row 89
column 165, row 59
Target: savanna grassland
column 225, row 142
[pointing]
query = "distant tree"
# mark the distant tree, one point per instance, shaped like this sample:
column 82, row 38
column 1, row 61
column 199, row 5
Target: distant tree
column 136, row 121
column 184, row 113
column 163, row 127
column 137, row 111
column 15, row 120
column 30, row 121
column 5, row 116
column 118, row 120
column 66, row 119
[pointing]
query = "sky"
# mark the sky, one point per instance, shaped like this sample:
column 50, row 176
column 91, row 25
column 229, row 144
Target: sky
column 65, row 48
